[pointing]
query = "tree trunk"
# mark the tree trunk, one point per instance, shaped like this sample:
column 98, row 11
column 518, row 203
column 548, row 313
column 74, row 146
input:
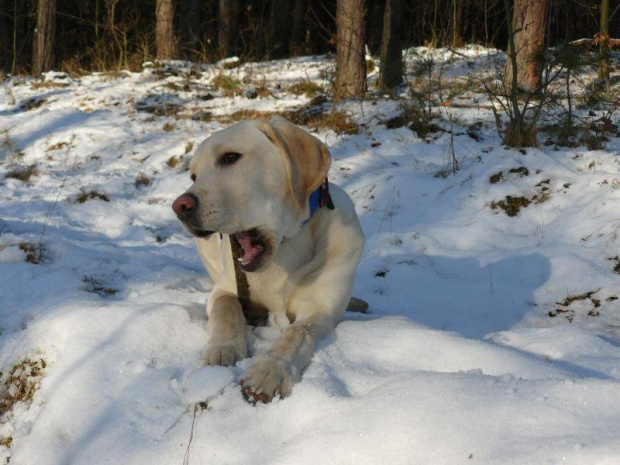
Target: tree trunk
column 457, row 23
column 375, row 17
column 604, row 52
column 5, row 40
column 190, row 24
column 228, row 24
column 43, row 50
column 165, row 39
column 298, row 38
column 278, row 28
column 529, row 20
column 391, row 72
column 350, row 54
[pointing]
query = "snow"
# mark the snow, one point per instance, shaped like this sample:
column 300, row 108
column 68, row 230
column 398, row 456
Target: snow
column 490, row 339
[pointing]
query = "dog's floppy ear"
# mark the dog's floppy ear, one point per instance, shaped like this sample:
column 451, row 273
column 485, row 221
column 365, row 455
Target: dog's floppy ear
column 307, row 158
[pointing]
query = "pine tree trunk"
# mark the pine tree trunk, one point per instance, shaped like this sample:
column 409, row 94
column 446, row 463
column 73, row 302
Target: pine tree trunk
column 228, row 24
column 43, row 50
column 529, row 20
column 375, row 17
column 298, row 38
column 165, row 39
column 391, row 72
column 279, row 23
column 604, row 52
column 350, row 53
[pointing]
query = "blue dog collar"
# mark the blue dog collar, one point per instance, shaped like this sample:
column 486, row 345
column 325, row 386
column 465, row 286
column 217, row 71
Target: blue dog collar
column 319, row 198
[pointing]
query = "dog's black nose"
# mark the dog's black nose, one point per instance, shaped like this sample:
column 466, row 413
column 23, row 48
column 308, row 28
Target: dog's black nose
column 184, row 204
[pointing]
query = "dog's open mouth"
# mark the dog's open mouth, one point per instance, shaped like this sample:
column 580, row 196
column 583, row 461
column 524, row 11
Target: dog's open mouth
column 253, row 248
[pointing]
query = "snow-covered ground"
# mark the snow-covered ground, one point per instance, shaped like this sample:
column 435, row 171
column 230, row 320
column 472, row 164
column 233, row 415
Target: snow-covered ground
column 490, row 339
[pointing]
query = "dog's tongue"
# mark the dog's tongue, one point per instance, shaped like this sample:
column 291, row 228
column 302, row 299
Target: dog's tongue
column 248, row 251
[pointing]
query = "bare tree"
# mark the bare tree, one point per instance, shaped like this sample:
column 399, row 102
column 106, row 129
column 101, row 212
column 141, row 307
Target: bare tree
column 165, row 38
column 350, row 54
column 604, row 53
column 43, row 50
column 391, row 72
column 228, row 25
column 529, row 20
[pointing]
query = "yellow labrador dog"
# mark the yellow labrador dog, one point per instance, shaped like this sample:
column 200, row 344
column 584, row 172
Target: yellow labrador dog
column 261, row 187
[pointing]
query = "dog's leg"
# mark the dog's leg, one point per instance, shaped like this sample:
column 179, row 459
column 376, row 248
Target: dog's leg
column 274, row 372
column 226, row 326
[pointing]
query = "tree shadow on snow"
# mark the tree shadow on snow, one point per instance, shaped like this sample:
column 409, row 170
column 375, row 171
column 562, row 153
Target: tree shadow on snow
column 454, row 294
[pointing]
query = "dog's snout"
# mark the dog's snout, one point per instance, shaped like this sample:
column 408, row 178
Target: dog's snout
column 184, row 204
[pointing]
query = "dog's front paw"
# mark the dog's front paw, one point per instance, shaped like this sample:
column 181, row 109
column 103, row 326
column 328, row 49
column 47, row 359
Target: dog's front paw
column 225, row 353
column 267, row 377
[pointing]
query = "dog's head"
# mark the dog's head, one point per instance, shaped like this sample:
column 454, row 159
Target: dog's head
column 252, row 181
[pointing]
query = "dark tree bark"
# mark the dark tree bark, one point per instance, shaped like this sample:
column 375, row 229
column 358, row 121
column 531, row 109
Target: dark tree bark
column 529, row 20
column 43, row 50
column 604, row 52
column 228, row 27
column 298, row 37
column 165, row 38
column 190, row 24
column 350, row 53
column 391, row 72
column 375, row 17
column 5, row 38
column 279, row 24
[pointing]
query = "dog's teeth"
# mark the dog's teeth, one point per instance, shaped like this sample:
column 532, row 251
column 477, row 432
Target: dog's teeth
column 239, row 259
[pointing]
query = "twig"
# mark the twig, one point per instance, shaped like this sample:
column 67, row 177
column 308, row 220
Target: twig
column 53, row 206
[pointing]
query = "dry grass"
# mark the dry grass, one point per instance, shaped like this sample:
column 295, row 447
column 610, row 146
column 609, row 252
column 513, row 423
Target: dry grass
column 562, row 307
column 58, row 146
column 8, row 146
column 512, row 205
column 308, row 88
column 33, row 103
column 616, row 260
column 48, row 85
column 336, row 121
column 85, row 196
column 20, row 384
column 160, row 109
column 173, row 161
column 34, row 253
column 178, row 87
column 142, row 180
column 23, row 173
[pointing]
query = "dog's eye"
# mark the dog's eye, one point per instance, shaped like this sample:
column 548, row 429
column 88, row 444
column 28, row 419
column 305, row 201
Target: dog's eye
column 228, row 158
column 193, row 177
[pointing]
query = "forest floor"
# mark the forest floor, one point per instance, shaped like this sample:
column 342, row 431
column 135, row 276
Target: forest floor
column 493, row 335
